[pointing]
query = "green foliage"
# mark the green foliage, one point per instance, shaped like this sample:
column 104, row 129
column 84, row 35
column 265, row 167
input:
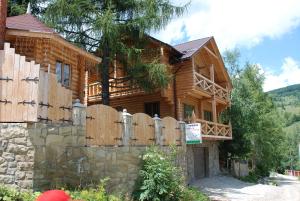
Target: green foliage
column 93, row 194
column 116, row 30
column 19, row 7
column 253, row 177
column 287, row 100
column 192, row 194
column 256, row 122
column 159, row 178
column 8, row 194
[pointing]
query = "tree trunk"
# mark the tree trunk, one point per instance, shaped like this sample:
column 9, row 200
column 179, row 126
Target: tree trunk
column 105, row 74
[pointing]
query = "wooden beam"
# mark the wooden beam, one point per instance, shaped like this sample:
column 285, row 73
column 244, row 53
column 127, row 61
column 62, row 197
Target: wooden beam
column 212, row 72
column 211, row 52
column 214, row 109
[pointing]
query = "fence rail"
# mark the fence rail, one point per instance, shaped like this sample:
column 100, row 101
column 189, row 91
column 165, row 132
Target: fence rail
column 214, row 130
column 210, row 87
column 28, row 94
column 117, row 88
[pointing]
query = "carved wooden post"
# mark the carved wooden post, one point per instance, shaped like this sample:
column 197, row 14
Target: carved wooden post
column 79, row 114
column 127, row 127
column 158, row 130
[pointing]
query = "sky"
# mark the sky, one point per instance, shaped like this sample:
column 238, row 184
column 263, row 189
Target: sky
column 267, row 33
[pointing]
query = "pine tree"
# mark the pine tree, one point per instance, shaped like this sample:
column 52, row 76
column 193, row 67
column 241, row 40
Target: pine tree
column 116, row 29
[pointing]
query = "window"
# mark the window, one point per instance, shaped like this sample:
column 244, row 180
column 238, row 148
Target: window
column 66, row 75
column 152, row 108
column 188, row 111
column 63, row 73
column 207, row 115
column 58, row 71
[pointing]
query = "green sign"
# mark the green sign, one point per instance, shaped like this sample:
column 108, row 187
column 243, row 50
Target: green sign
column 193, row 133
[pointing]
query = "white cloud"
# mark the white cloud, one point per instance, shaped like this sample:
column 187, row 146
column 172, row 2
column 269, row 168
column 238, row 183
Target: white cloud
column 289, row 74
column 234, row 22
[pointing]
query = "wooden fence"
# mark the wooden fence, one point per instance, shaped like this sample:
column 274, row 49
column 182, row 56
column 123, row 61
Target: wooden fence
column 28, row 94
column 106, row 126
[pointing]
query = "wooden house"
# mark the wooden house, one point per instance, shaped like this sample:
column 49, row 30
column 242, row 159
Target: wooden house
column 41, row 44
column 199, row 90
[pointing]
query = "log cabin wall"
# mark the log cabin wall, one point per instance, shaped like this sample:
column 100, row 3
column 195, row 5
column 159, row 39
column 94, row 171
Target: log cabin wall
column 136, row 104
column 47, row 52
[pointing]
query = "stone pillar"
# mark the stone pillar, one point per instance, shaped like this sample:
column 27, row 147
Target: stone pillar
column 182, row 132
column 127, row 128
column 3, row 15
column 79, row 114
column 159, row 140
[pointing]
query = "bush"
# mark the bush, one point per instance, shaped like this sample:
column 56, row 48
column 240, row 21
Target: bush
column 8, row 194
column 251, row 178
column 93, row 194
column 160, row 180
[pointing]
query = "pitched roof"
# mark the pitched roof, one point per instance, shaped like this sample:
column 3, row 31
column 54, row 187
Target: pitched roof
column 27, row 22
column 189, row 48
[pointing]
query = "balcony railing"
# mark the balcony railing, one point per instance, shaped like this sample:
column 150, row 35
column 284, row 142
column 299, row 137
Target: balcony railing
column 210, row 87
column 215, row 130
column 117, row 88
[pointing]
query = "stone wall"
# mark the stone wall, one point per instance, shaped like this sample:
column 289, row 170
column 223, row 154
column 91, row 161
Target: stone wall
column 40, row 157
column 16, row 156
column 213, row 159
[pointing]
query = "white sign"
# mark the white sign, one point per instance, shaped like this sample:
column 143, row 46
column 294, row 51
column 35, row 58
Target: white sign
column 193, row 133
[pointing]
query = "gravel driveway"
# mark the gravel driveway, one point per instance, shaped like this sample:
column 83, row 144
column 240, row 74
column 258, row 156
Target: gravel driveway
column 226, row 188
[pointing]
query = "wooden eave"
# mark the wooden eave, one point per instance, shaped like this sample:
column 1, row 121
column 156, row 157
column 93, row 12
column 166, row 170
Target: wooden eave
column 56, row 38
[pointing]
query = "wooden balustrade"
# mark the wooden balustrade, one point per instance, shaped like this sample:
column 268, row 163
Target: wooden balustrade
column 117, row 88
column 211, row 87
column 215, row 130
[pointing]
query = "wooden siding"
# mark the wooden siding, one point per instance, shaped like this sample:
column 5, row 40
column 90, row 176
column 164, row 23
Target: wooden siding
column 135, row 104
column 45, row 52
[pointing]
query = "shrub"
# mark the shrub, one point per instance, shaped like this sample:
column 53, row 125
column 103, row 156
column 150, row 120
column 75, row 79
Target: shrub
column 253, row 177
column 159, row 179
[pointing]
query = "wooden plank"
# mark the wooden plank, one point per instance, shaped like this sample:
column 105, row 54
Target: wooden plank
column 32, row 109
column 143, row 129
column 171, row 131
column 14, row 98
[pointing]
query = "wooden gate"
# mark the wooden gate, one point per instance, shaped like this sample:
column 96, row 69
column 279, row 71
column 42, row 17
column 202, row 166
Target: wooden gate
column 103, row 125
column 18, row 87
column 143, row 129
column 28, row 94
column 171, row 131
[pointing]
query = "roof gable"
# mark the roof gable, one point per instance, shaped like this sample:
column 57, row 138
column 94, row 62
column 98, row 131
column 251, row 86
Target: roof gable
column 27, row 22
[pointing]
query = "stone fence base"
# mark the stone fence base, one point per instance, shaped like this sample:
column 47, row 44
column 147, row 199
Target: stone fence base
column 40, row 156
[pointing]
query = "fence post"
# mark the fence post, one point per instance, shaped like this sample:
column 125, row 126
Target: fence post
column 158, row 130
column 79, row 113
column 127, row 127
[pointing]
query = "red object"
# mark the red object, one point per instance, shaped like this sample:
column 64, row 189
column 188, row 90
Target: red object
column 54, row 195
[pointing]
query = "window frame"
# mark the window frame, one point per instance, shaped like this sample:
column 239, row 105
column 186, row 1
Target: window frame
column 62, row 73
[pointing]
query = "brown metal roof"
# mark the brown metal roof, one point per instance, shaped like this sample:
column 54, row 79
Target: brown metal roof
column 27, row 22
column 189, row 48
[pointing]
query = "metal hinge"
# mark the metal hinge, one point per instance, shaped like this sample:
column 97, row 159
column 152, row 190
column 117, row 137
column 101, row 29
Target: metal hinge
column 45, row 105
column 27, row 102
column 6, row 79
column 90, row 117
column 5, row 101
column 27, row 79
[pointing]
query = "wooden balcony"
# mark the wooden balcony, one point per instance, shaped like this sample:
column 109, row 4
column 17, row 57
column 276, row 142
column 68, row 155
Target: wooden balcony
column 117, row 88
column 210, row 88
column 211, row 130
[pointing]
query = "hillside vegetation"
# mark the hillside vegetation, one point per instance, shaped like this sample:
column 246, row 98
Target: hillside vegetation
column 287, row 100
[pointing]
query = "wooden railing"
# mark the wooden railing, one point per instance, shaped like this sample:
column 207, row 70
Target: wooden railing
column 210, row 87
column 215, row 130
column 117, row 88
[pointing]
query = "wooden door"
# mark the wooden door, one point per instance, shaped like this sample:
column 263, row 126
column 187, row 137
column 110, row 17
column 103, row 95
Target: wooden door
column 201, row 162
